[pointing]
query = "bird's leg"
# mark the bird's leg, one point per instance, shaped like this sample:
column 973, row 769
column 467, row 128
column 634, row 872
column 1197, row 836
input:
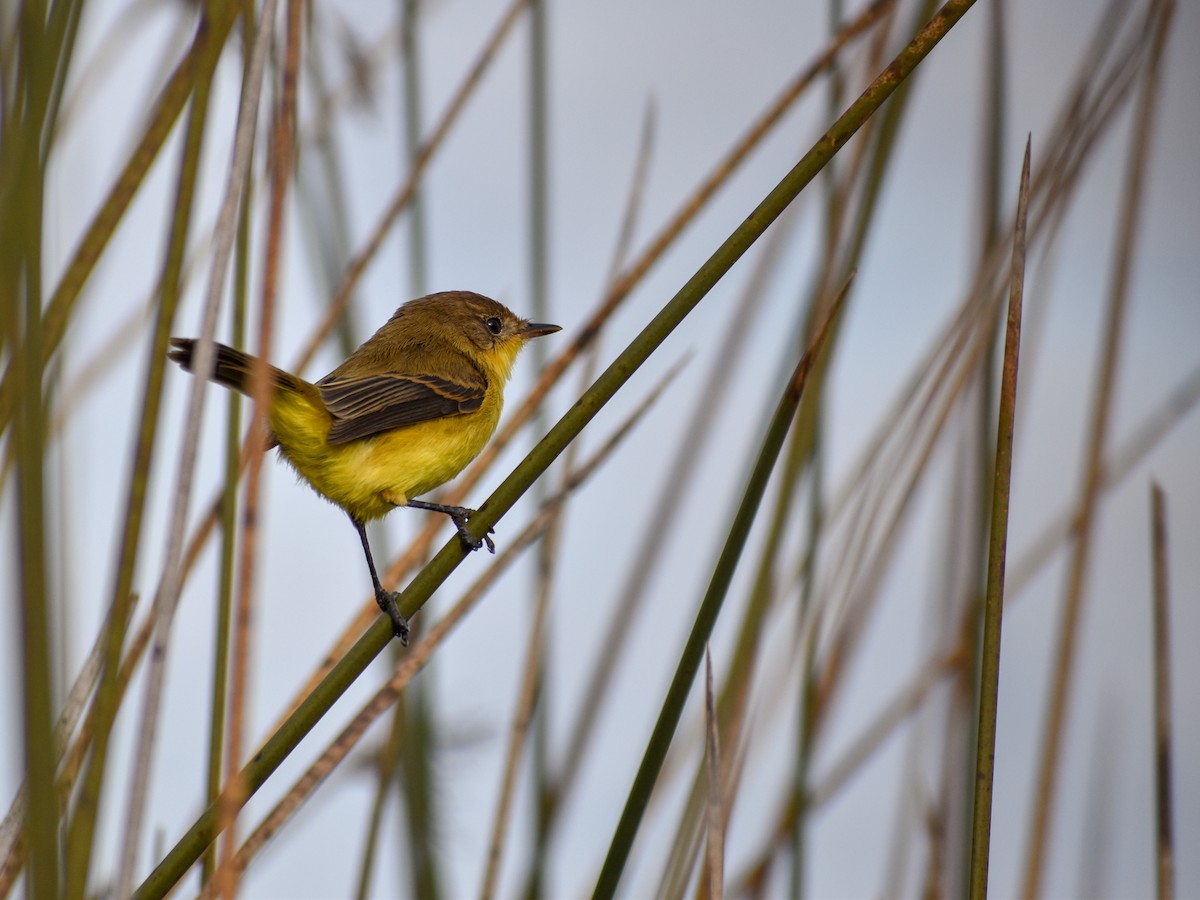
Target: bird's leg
column 459, row 515
column 385, row 599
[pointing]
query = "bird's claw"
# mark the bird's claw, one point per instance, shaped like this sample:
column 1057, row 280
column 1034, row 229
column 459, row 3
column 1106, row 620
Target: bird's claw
column 472, row 542
column 387, row 603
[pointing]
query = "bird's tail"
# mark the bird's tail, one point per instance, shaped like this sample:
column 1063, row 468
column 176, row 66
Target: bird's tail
column 232, row 368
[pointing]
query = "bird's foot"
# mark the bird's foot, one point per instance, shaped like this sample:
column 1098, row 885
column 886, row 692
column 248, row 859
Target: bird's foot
column 460, row 517
column 387, row 603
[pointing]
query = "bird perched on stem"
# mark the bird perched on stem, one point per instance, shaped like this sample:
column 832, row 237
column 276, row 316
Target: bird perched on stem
column 404, row 414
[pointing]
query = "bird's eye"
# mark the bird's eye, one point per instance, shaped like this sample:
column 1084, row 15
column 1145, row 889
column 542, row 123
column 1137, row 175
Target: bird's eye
column 494, row 325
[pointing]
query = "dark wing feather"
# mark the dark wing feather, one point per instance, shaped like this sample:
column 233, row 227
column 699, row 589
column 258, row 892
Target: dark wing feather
column 363, row 406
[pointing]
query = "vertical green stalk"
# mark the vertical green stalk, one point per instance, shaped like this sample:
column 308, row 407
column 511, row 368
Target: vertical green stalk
column 967, row 610
column 539, row 256
column 22, row 185
column 1165, row 840
column 989, row 677
column 712, row 883
column 834, row 215
column 806, row 721
column 35, row 625
column 990, row 211
column 995, row 128
column 806, row 724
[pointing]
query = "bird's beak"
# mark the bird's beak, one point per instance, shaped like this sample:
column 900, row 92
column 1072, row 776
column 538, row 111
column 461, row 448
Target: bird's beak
column 537, row 329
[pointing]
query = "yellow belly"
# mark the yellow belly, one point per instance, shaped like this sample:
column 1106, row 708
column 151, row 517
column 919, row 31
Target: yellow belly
column 369, row 477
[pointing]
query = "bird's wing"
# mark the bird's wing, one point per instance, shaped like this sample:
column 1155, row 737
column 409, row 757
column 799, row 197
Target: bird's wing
column 366, row 405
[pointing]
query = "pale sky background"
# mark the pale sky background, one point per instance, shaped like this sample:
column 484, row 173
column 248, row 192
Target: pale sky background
column 709, row 68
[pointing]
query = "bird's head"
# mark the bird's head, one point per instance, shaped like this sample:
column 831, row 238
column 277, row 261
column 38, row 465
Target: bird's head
column 484, row 329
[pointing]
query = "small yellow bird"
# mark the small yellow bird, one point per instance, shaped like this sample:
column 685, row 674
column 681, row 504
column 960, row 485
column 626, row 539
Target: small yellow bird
column 405, row 413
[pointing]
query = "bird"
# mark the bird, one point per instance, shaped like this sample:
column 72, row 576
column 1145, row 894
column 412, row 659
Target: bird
column 404, row 414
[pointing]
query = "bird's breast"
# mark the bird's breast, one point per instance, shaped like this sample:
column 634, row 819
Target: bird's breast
column 405, row 462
